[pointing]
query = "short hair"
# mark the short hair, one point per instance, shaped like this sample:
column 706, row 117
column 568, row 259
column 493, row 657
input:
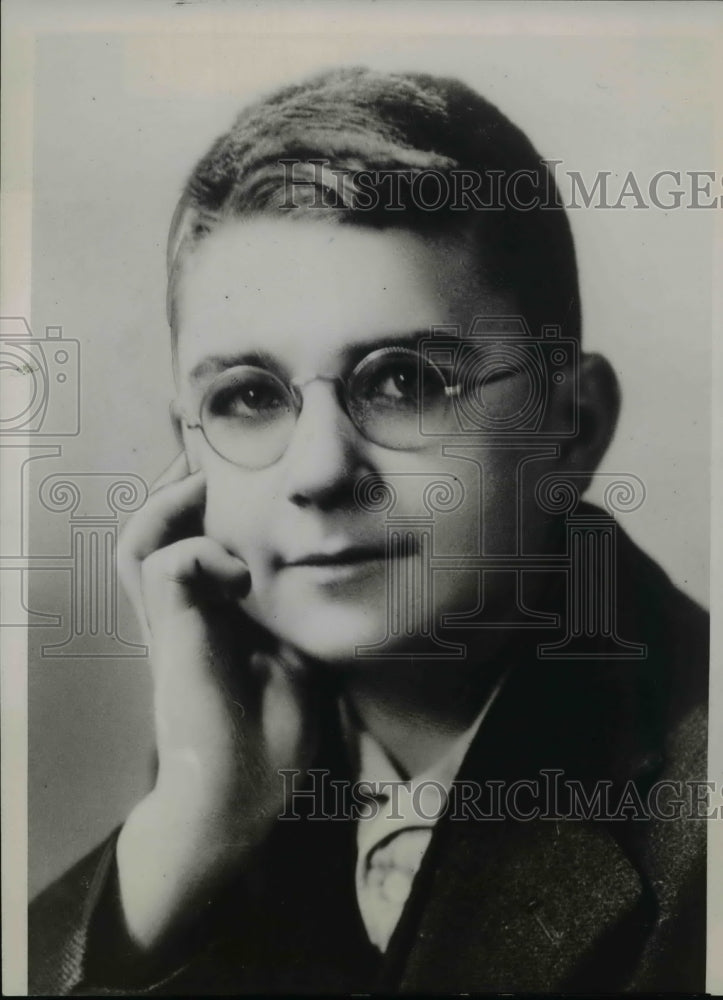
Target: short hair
column 356, row 119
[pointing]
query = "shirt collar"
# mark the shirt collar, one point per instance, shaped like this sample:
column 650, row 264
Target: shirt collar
column 396, row 804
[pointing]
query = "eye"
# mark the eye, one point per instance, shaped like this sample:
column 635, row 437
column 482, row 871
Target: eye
column 396, row 381
column 248, row 395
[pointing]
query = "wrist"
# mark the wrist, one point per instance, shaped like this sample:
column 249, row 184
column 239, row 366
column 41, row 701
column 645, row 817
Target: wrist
column 169, row 856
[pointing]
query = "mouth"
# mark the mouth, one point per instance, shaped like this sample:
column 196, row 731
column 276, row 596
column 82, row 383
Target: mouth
column 354, row 564
column 352, row 556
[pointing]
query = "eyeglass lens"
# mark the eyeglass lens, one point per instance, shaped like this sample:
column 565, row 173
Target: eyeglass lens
column 249, row 414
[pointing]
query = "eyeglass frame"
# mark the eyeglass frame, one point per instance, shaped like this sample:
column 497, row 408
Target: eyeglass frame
column 294, row 391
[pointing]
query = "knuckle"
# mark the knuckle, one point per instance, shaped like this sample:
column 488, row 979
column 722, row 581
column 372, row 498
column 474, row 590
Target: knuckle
column 173, row 562
column 203, row 546
column 153, row 565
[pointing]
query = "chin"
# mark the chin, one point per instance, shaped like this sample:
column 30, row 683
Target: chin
column 333, row 635
column 326, row 631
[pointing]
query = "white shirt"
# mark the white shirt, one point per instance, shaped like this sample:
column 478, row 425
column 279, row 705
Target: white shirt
column 393, row 838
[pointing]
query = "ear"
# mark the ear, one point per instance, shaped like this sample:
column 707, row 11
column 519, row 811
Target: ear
column 186, row 439
column 597, row 416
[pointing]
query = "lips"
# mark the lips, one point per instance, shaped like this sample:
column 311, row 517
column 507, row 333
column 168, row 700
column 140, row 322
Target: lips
column 343, row 553
column 343, row 557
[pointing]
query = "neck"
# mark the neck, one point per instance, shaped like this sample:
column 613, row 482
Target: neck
column 416, row 709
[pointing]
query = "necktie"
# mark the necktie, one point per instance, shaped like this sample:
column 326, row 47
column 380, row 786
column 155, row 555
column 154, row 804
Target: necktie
column 387, row 881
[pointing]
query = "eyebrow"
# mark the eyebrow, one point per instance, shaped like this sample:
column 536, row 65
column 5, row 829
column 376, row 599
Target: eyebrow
column 214, row 364
column 354, row 354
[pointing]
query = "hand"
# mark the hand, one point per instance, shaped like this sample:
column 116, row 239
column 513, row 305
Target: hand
column 230, row 712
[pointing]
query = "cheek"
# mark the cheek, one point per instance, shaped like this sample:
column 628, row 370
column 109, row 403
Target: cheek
column 483, row 503
column 238, row 510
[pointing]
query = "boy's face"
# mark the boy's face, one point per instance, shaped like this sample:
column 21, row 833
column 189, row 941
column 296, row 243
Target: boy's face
column 312, row 298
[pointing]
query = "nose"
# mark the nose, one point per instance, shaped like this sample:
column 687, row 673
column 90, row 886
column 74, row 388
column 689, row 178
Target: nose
column 325, row 455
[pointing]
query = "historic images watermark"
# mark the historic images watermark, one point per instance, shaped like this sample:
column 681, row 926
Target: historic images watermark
column 552, row 186
column 549, row 795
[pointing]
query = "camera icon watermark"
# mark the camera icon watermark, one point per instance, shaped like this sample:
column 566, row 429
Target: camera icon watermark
column 501, row 379
column 40, row 381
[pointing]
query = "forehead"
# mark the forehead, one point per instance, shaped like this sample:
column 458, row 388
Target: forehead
column 307, row 291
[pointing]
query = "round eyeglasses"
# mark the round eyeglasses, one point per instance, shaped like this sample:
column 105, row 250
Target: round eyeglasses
column 395, row 397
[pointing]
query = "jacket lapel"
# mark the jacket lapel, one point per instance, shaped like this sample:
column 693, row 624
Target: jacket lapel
column 509, row 904
column 518, row 907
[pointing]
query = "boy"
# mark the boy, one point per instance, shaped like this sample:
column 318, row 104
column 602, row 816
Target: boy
column 356, row 294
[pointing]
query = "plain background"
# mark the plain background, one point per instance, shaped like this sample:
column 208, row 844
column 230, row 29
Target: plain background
column 120, row 119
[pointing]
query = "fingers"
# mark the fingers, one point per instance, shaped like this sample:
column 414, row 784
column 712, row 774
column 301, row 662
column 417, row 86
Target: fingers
column 173, row 510
column 191, row 572
column 167, row 515
column 161, row 519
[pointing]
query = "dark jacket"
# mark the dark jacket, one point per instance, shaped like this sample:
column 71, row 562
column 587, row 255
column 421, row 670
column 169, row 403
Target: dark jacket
column 601, row 903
